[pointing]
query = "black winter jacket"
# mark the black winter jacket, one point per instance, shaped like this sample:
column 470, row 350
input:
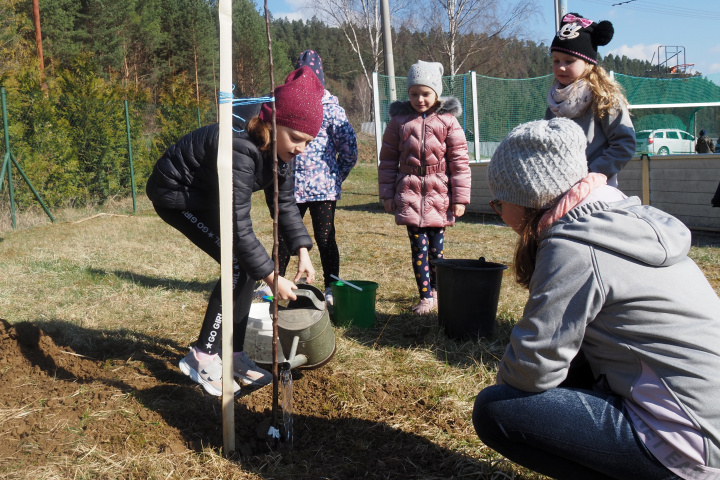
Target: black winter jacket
column 186, row 178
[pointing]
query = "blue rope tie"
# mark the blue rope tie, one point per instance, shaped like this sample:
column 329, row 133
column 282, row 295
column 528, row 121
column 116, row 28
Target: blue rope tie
column 227, row 97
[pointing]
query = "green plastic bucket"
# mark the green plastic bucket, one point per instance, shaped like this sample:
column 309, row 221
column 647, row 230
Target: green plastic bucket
column 352, row 307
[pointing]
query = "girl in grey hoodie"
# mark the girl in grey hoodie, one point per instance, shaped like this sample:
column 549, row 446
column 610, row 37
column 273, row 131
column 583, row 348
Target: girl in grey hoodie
column 612, row 371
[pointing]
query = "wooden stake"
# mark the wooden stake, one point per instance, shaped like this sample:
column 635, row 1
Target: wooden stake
column 225, row 175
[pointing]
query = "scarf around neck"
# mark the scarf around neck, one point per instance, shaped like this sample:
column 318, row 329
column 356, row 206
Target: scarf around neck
column 572, row 198
column 570, row 101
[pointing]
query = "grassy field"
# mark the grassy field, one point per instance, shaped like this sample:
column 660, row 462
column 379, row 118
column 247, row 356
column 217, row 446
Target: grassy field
column 127, row 290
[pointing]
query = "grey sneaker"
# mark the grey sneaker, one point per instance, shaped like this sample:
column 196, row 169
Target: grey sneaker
column 247, row 370
column 207, row 373
column 329, row 297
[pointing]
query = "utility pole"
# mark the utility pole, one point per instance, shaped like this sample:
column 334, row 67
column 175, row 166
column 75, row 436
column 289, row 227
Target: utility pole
column 387, row 48
column 560, row 11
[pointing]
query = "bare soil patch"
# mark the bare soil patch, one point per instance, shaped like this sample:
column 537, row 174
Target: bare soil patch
column 121, row 402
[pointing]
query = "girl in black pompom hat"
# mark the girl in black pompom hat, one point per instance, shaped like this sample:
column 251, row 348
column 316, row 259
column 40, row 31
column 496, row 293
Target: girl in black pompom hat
column 584, row 92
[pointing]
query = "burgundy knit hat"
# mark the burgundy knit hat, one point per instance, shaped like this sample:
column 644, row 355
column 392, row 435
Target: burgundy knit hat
column 298, row 102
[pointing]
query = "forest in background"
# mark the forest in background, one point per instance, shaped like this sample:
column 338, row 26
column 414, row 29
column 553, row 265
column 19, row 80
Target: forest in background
column 67, row 120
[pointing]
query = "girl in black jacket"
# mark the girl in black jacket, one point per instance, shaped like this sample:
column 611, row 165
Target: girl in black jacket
column 183, row 188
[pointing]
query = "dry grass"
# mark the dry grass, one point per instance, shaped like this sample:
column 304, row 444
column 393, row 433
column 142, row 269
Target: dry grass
column 132, row 274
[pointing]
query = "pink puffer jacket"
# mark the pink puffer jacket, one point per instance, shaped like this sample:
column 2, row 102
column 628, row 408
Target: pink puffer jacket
column 424, row 164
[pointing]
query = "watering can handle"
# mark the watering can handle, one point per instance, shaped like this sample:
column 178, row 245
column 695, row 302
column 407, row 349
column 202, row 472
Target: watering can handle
column 301, row 292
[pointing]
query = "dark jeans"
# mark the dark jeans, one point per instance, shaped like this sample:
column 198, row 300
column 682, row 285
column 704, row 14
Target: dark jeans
column 202, row 228
column 323, row 222
column 564, row 433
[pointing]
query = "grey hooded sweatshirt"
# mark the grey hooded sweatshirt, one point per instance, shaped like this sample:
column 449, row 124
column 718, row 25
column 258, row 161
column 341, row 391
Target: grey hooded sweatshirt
column 614, row 280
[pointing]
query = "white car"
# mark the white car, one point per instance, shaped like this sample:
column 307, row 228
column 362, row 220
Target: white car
column 664, row 141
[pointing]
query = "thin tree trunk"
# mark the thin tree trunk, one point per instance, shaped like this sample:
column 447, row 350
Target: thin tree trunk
column 197, row 82
column 38, row 41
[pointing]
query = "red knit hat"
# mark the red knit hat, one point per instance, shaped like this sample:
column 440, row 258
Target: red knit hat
column 298, row 102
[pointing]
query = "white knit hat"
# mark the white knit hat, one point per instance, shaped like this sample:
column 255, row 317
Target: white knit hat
column 428, row 74
column 538, row 162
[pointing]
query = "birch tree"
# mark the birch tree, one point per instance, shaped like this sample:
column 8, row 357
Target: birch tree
column 464, row 26
column 361, row 25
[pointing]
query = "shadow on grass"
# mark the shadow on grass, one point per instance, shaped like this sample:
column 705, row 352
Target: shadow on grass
column 323, row 447
column 472, row 218
column 154, row 282
column 328, row 444
column 408, row 331
column 372, row 207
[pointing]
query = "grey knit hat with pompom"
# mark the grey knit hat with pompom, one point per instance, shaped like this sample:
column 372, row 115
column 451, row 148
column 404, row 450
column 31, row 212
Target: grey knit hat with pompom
column 538, row 162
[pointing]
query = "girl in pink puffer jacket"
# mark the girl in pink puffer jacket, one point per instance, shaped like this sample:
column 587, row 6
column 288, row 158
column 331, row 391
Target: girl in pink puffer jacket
column 424, row 171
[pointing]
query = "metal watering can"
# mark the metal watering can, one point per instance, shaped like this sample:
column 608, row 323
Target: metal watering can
column 305, row 332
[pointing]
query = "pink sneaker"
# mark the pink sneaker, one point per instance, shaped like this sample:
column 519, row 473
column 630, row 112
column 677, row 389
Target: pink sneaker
column 425, row 306
column 207, row 373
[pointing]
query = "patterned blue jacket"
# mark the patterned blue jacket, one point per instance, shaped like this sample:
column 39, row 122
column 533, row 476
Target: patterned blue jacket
column 327, row 161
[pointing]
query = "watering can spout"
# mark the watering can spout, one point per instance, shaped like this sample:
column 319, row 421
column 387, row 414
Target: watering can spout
column 294, row 360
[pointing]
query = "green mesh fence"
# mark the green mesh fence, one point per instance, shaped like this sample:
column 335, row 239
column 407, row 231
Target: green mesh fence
column 502, row 104
column 458, row 86
column 689, row 91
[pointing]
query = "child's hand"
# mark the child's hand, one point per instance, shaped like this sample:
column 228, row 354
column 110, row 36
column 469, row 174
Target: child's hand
column 284, row 288
column 389, row 205
column 458, row 209
column 305, row 266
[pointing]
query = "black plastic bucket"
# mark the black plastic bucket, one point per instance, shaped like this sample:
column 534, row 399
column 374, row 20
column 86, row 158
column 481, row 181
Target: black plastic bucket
column 468, row 294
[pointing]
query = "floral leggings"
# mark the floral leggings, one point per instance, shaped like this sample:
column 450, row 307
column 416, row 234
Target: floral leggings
column 426, row 244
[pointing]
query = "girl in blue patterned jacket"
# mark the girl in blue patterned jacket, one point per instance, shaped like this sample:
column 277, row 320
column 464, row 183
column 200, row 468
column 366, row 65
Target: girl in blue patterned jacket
column 319, row 174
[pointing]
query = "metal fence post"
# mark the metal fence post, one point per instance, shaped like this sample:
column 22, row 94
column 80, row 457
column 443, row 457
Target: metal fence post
column 476, row 130
column 9, row 158
column 6, row 162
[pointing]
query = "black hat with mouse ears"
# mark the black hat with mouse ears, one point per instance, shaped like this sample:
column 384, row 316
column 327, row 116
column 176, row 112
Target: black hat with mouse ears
column 581, row 37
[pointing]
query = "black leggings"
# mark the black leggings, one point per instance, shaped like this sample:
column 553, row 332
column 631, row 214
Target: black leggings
column 323, row 222
column 202, row 229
